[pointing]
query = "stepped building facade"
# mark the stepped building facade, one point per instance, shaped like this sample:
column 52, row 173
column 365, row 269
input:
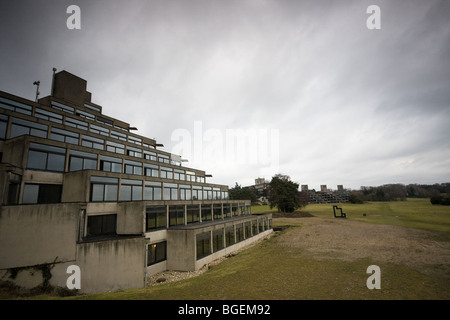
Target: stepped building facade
column 79, row 188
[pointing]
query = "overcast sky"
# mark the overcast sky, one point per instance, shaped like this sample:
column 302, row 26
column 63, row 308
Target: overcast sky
column 251, row 88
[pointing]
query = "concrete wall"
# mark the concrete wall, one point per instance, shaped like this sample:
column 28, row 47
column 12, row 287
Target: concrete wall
column 37, row 243
column 181, row 250
column 111, row 265
column 37, row 234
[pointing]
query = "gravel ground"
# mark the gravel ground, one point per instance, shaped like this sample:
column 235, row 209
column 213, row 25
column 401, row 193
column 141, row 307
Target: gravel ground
column 348, row 240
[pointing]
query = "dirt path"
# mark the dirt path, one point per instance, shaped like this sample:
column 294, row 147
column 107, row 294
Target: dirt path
column 348, row 240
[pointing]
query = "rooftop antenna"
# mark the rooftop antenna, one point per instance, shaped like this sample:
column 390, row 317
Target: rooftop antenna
column 37, row 83
column 53, row 82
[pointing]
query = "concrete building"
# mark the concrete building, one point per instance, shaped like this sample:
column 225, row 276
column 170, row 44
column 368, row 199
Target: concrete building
column 325, row 195
column 80, row 188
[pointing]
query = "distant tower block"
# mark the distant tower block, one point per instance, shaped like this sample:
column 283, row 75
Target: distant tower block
column 304, row 187
column 260, row 181
column 340, row 187
column 323, row 187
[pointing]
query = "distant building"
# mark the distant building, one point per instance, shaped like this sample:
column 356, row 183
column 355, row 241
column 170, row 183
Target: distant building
column 78, row 187
column 325, row 195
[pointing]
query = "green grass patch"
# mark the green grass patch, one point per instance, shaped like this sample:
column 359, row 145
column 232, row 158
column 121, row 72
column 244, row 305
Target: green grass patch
column 413, row 213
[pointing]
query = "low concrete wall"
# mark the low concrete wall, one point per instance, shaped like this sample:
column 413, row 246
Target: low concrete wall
column 37, row 234
column 111, row 265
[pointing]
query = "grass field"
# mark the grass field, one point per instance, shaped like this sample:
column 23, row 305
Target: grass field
column 413, row 213
column 268, row 271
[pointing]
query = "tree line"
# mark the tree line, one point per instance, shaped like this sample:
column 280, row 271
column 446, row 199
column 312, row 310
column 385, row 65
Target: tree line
column 438, row 193
column 284, row 193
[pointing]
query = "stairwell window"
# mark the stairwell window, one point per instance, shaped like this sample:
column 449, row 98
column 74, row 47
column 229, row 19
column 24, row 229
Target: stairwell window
column 101, row 225
column 156, row 252
column 41, row 193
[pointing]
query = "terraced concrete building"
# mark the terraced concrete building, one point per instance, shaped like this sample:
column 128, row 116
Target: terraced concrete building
column 80, row 188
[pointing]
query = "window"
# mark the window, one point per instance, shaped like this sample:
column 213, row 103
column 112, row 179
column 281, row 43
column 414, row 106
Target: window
column 22, row 127
column 200, row 179
column 64, row 136
column 110, row 164
column 48, row 115
column 170, row 191
column 163, row 158
column 197, row 193
column 133, row 167
column 85, row 115
column 15, row 106
column 185, row 192
column 115, row 147
column 166, row 173
column 155, row 217
column 76, row 123
column 229, row 236
column 152, row 190
column 176, row 215
column 206, row 212
column 62, row 107
column 3, row 125
column 207, row 193
column 224, row 195
column 134, row 140
column 48, row 158
column 130, row 190
column 179, row 174
column 104, row 189
column 101, row 225
column 91, row 142
column 203, row 244
column 156, row 252
column 104, row 121
column 41, row 193
column 99, row 130
column 248, row 230
column 254, row 227
column 216, row 193
column 134, row 152
column 118, row 135
column 218, row 239
column 241, row 208
column 151, row 170
column 217, row 211
column 79, row 160
column 193, row 213
column 92, row 108
column 234, row 209
column 226, row 210
column 239, row 232
column 150, row 155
